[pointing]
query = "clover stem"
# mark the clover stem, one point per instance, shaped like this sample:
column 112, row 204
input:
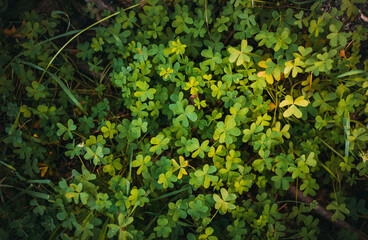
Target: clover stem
column 292, row 88
column 361, row 124
column 78, row 134
column 214, row 215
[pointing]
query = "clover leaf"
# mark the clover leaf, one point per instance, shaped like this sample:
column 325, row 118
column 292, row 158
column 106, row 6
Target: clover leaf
column 159, row 143
column 175, row 47
column 218, row 90
column 67, row 131
column 213, row 59
column 340, row 210
column 142, row 163
column 123, row 222
column 226, row 131
column 316, row 27
column 204, row 176
column 180, row 23
column 109, row 130
column 321, row 101
column 144, row 92
column 178, row 209
column 336, row 37
column 184, row 113
column 293, row 109
column 224, row 202
column 293, row 67
column 198, row 149
column 112, row 165
column 192, row 85
column 167, row 179
column 37, row 90
column 180, row 167
column 309, row 186
column 197, row 210
column 96, row 153
column 281, row 181
column 240, row 56
column 162, row 228
column 97, row 44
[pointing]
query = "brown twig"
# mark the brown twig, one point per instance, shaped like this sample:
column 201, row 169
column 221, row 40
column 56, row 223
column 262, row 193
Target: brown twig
column 320, row 210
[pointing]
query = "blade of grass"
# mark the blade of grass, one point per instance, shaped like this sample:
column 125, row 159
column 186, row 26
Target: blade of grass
column 171, row 194
column 58, row 36
column 42, row 181
column 45, row 41
column 29, row 192
column 184, row 224
column 351, row 73
column 62, row 85
column 332, row 149
column 82, row 31
column 346, row 122
column 130, row 172
column 205, row 10
column 54, row 13
column 15, row 124
column 103, row 232
column 8, row 166
column 300, row 3
column 327, row 169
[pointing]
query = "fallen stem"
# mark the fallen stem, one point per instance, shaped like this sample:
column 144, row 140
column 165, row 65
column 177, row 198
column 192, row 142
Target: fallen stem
column 320, row 210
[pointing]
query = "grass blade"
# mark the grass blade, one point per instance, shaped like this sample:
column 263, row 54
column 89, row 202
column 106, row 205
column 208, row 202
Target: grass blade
column 54, row 13
column 346, row 121
column 8, row 166
column 171, row 194
column 351, row 73
column 130, row 172
column 61, row 84
column 332, row 149
column 15, row 124
column 29, row 192
column 82, row 31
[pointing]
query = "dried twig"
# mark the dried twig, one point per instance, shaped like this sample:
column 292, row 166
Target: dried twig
column 101, row 5
column 320, row 210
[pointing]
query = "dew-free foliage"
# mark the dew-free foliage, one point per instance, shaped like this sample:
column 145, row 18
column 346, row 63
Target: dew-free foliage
column 293, row 109
column 240, row 56
column 180, row 119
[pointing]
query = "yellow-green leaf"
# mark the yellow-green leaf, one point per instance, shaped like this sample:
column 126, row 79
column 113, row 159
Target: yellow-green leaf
column 300, row 101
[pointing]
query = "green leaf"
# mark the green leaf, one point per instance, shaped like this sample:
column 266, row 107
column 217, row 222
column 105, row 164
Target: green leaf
column 224, row 202
column 226, row 131
column 293, row 67
column 293, row 109
column 159, row 143
column 142, row 163
column 113, row 229
column 205, row 177
column 109, row 130
column 340, row 210
column 213, row 59
column 145, row 92
column 281, row 181
column 240, row 56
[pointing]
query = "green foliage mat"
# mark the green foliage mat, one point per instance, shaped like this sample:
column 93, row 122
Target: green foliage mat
column 189, row 120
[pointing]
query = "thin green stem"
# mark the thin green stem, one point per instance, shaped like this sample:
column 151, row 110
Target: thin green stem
column 214, row 215
column 79, row 33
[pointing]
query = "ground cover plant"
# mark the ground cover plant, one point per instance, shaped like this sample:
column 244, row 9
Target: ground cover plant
column 189, row 120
